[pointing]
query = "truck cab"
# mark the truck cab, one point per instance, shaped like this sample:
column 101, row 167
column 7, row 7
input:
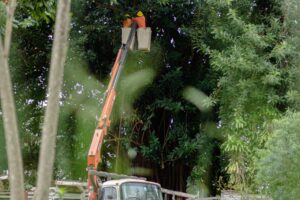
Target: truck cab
column 130, row 189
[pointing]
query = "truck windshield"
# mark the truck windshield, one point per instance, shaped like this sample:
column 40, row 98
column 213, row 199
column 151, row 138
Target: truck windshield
column 140, row 191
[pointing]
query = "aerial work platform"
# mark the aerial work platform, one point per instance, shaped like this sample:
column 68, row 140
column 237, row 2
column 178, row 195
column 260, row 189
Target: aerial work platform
column 141, row 40
column 129, row 36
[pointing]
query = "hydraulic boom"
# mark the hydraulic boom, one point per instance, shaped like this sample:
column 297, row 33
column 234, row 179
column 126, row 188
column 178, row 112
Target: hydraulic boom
column 94, row 155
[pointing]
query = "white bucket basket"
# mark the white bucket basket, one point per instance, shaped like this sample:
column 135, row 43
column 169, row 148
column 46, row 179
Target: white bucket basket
column 125, row 35
column 144, row 38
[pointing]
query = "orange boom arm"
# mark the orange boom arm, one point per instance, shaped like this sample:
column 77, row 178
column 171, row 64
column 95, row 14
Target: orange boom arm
column 94, row 155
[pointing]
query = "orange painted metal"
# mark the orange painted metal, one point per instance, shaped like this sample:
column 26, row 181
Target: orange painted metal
column 25, row 195
column 107, row 108
column 92, row 194
column 94, row 155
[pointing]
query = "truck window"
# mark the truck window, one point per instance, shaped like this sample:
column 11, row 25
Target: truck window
column 140, row 191
column 108, row 193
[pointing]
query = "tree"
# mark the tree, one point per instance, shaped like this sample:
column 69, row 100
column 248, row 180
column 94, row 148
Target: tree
column 50, row 125
column 278, row 166
column 235, row 52
column 168, row 120
column 59, row 51
column 278, row 163
column 16, row 177
column 241, row 40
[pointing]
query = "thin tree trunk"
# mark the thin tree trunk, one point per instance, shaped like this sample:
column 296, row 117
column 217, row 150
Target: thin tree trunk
column 9, row 22
column 15, row 165
column 13, row 149
column 59, row 51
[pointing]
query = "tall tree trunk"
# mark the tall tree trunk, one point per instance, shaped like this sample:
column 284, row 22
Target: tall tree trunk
column 59, row 52
column 11, row 7
column 15, row 165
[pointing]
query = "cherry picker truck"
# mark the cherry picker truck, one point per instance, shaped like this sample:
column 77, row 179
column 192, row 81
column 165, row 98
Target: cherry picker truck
column 123, row 188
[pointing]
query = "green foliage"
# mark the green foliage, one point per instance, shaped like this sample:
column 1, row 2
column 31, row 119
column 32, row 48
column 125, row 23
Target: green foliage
column 152, row 149
column 291, row 10
column 2, row 18
column 201, row 179
column 242, row 48
column 30, row 61
column 3, row 161
column 139, row 72
column 151, row 116
column 279, row 163
column 33, row 13
column 80, row 105
column 242, row 54
column 198, row 98
column 3, row 158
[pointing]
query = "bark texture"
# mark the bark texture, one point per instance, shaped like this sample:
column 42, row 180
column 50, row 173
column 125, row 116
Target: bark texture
column 13, row 149
column 9, row 22
column 59, row 52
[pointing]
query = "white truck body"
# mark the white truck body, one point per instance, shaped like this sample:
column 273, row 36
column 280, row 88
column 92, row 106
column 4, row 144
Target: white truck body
column 130, row 189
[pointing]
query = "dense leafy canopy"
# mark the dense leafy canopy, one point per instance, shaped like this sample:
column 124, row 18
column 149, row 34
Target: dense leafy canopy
column 196, row 113
column 244, row 51
column 281, row 157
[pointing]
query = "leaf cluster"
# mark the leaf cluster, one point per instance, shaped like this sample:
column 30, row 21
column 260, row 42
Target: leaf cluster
column 248, row 53
column 278, row 173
